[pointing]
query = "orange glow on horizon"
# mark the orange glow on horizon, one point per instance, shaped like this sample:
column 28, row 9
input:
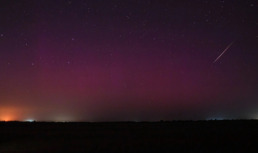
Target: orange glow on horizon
column 7, row 118
column 29, row 113
column 10, row 114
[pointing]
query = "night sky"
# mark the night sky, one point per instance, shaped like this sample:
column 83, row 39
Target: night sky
column 128, row 60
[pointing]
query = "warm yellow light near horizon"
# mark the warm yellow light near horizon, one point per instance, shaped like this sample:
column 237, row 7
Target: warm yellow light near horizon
column 7, row 118
column 9, row 114
column 29, row 114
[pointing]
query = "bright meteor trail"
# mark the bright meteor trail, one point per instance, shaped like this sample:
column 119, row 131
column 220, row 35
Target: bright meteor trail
column 223, row 51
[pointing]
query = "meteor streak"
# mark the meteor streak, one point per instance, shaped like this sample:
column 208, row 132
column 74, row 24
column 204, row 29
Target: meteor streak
column 223, row 52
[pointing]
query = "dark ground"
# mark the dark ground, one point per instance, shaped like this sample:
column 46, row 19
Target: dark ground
column 176, row 136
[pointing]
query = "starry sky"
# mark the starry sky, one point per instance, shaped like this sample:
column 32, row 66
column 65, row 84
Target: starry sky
column 130, row 60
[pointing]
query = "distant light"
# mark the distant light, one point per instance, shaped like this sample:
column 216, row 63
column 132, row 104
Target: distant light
column 29, row 120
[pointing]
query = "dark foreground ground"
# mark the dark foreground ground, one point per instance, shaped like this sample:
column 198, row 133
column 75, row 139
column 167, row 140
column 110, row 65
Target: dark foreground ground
column 178, row 136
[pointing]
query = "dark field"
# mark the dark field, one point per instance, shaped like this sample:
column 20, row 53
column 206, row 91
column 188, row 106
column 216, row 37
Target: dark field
column 177, row 136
